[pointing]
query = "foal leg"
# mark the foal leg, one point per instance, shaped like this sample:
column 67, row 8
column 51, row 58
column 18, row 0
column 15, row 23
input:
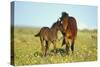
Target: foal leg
column 46, row 47
column 54, row 44
column 63, row 41
column 42, row 46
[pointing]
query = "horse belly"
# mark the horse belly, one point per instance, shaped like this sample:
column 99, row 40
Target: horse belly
column 52, row 37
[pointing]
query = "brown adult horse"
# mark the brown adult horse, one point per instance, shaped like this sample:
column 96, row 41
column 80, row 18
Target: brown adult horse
column 49, row 35
column 70, row 31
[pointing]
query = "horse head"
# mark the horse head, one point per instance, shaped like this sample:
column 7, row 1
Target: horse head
column 64, row 20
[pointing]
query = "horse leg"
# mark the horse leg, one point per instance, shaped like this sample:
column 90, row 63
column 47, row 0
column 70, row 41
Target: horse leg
column 54, row 44
column 42, row 46
column 63, row 41
column 72, row 46
column 67, row 49
column 46, row 47
column 67, row 46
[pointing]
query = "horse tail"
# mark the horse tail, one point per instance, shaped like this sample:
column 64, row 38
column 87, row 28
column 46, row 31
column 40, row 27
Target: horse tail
column 38, row 34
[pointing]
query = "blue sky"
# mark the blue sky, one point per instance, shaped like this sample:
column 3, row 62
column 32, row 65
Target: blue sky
column 45, row 14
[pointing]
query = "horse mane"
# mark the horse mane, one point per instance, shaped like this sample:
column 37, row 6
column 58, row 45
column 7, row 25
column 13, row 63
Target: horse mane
column 54, row 24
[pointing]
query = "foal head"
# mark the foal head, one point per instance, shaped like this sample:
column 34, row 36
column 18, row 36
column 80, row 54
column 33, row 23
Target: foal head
column 57, row 26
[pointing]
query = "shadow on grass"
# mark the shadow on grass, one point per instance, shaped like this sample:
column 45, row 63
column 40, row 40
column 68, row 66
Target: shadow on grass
column 59, row 51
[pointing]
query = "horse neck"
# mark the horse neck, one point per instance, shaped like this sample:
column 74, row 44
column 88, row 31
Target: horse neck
column 54, row 30
column 65, row 24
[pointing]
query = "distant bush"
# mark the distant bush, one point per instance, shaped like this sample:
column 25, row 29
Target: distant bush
column 88, row 30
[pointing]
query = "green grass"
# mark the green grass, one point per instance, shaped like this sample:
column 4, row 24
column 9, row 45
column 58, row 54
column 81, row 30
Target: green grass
column 26, row 45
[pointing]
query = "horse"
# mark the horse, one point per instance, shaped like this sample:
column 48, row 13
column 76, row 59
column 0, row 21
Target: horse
column 70, row 31
column 49, row 35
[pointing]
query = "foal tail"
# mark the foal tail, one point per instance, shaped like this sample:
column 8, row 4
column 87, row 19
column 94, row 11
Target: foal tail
column 38, row 34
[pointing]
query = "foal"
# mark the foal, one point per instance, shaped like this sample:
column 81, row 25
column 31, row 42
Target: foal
column 49, row 35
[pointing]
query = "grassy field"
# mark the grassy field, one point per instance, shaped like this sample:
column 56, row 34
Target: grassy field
column 26, row 46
